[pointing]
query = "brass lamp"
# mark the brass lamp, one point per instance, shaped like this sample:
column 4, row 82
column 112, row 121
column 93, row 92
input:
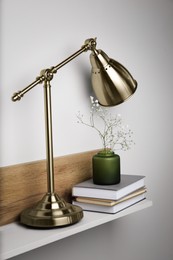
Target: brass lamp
column 112, row 84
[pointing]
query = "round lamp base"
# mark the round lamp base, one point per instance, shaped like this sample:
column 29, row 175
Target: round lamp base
column 51, row 211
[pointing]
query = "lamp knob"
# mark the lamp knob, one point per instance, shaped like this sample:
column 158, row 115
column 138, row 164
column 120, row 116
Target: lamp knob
column 17, row 96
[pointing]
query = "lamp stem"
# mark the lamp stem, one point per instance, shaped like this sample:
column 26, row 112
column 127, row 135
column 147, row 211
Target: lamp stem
column 51, row 210
column 49, row 138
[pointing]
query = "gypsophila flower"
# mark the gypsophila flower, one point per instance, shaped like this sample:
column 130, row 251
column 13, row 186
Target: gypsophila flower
column 114, row 135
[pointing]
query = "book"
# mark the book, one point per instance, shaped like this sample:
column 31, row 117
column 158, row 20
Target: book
column 111, row 209
column 128, row 184
column 109, row 203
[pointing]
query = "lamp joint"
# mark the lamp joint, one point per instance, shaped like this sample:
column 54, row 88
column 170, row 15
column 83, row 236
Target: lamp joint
column 46, row 74
column 90, row 44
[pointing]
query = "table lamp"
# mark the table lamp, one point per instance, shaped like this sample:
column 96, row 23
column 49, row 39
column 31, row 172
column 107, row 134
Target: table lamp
column 112, row 84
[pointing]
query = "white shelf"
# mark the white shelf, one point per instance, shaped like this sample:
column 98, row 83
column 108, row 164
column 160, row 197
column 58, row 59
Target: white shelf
column 16, row 239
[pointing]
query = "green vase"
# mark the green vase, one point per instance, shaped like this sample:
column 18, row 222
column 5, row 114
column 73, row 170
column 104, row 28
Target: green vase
column 106, row 168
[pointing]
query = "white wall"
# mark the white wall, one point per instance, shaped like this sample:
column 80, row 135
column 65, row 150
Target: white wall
column 37, row 34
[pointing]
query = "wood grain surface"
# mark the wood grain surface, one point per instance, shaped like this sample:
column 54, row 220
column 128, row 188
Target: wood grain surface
column 22, row 185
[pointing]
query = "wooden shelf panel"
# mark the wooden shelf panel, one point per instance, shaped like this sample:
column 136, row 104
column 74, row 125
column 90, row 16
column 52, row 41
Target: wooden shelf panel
column 16, row 239
column 32, row 179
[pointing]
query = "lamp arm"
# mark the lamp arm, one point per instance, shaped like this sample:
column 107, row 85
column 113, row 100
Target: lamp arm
column 48, row 73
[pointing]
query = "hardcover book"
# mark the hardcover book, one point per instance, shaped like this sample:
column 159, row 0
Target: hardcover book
column 113, row 209
column 109, row 203
column 128, row 184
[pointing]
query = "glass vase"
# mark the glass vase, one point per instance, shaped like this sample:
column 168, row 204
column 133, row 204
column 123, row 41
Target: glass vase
column 106, row 168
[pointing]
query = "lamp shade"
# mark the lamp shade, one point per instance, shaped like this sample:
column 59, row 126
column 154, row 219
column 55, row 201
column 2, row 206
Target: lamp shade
column 112, row 82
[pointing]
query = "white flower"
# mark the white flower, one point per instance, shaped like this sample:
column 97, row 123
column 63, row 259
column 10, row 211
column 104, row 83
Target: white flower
column 114, row 135
column 92, row 99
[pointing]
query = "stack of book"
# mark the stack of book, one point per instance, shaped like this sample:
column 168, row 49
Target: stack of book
column 110, row 198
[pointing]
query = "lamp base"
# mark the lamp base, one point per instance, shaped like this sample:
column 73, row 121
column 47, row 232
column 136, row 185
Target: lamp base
column 51, row 211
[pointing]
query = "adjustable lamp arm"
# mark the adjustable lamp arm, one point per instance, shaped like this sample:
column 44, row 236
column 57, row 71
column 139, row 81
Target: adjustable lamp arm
column 47, row 74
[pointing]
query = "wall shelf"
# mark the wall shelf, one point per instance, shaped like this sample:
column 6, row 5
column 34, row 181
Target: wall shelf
column 16, row 239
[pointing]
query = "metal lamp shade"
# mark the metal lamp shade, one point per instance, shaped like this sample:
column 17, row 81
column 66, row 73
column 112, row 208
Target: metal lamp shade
column 112, row 83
